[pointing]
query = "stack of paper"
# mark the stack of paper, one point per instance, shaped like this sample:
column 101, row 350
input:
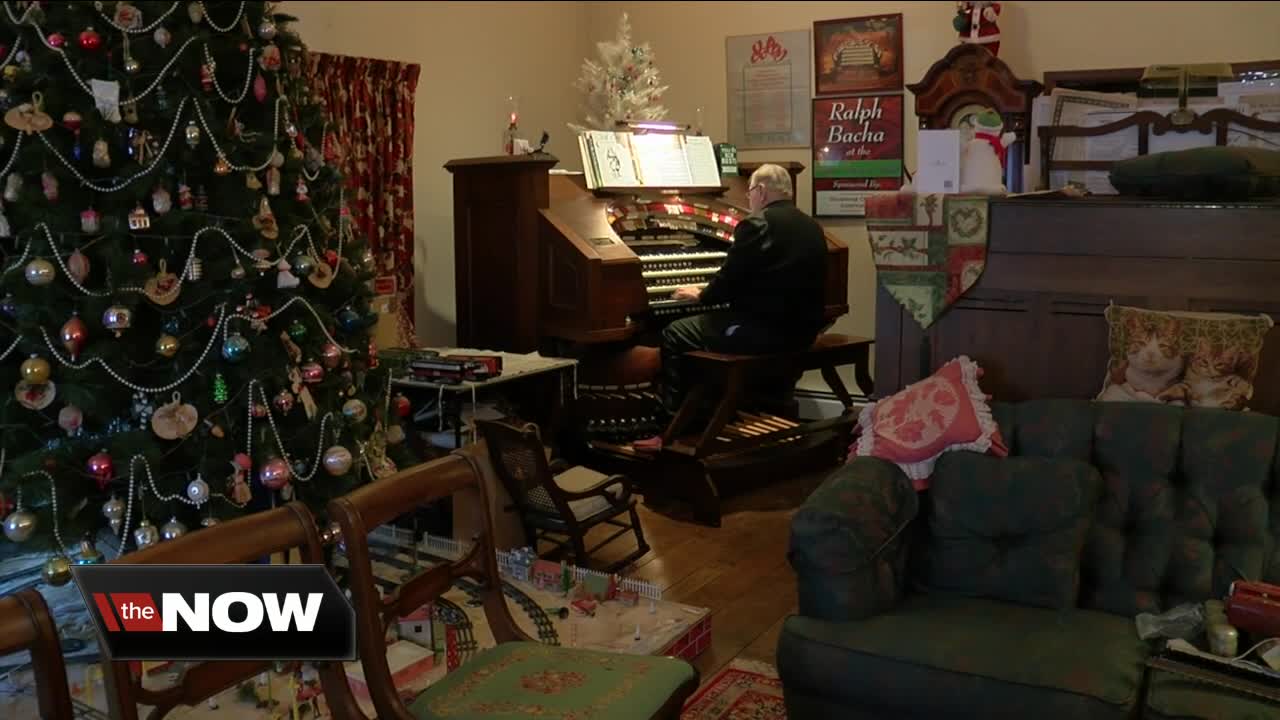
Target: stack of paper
column 623, row 159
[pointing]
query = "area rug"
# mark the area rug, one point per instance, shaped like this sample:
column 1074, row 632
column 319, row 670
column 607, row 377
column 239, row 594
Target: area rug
column 746, row 690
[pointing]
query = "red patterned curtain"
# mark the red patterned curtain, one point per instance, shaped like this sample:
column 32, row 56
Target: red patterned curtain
column 370, row 107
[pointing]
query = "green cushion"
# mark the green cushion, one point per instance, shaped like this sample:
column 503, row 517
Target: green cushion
column 1209, row 173
column 1174, row 697
column 527, row 679
column 849, row 543
column 940, row 656
column 1008, row 528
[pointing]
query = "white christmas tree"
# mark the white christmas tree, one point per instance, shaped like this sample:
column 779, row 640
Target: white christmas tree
column 623, row 85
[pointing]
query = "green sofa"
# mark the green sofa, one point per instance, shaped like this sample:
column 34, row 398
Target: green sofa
column 1009, row 589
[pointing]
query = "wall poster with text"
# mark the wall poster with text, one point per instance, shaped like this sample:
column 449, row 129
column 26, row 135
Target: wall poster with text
column 857, row 151
column 856, row 55
column 768, row 81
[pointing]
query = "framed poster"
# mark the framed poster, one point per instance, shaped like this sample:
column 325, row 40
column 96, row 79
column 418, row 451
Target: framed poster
column 857, row 55
column 857, row 151
column 768, row 82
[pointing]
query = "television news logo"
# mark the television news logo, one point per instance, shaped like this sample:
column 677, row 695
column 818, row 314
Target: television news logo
column 218, row 612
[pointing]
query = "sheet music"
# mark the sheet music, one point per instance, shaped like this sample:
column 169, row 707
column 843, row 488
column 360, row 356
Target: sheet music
column 661, row 160
column 700, row 154
column 613, row 159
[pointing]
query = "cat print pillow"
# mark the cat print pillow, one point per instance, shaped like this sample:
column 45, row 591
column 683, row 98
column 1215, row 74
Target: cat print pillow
column 1183, row 358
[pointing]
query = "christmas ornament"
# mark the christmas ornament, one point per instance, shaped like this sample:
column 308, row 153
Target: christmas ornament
column 131, row 65
column 202, row 199
column 274, row 473
column 129, row 111
column 73, row 335
column 209, row 522
column 195, row 11
column 277, row 159
column 270, row 58
column 252, row 182
column 139, row 258
column 34, row 396
column 175, row 419
column 128, row 16
column 162, row 99
column 297, row 330
column 70, row 418
column 259, row 410
column 330, row 355
column 401, row 404
column 304, row 265
column 167, row 346
column 221, row 166
column 78, row 266
column 266, row 29
column 260, row 88
column 56, row 40
column 172, row 530
column 184, row 196
column 101, row 154
column 312, row 162
column 283, row 402
column 312, row 373
column 286, row 279
column 976, row 23
column 300, row 191
column 349, row 320
column 337, row 460
column 160, row 201
column 195, row 269
column 90, row 39
column 90, row 221
column 300, row 469
column 273, row 181
column 162, row 37
column 57, row 571
column 145, row 535
column 395, row 435
column 265, row 221
column 238, row 272
column 49, row 184
column 138, row 219
column 20, row 524
column 198, row 491
column 101, row 468
column 192, row 134
column 206, row 77
column 164, row 287
column 355, row 410
column 39, row 272
column 113, row 511
column 89, row 555
column 9, row 306
column 219, row 388
column 13, row 187
column 35, row 370
column 235, row 348
column 117, row 318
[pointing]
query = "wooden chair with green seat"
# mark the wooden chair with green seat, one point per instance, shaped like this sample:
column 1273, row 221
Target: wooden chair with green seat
column 559, row 503
column 25, row 624
column 517, row 678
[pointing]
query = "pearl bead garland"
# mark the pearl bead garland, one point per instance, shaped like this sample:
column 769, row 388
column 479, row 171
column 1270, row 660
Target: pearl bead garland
column 4, row 355
column 13, row 52
column 13, row 157
column 275, row 139
column 248, row 78
column 86, row 182
column 324, row 423
column 112, row 21
column 214, row 25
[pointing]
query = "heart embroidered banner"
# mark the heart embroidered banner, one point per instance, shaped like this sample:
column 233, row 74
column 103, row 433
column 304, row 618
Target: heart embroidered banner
column 928, row 249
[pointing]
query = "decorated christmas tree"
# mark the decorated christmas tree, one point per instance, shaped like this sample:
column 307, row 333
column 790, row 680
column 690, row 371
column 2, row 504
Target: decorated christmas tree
column 184, row 309
column 622, row 86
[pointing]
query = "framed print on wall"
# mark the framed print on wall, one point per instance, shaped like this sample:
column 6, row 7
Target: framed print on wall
column 857, row 151
column 768, row 81
column 857, row 55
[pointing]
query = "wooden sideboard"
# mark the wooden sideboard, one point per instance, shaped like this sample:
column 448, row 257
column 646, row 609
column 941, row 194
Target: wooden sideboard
column 1034, row 319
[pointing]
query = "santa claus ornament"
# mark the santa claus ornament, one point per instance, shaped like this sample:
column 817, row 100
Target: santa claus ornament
column 976, row 23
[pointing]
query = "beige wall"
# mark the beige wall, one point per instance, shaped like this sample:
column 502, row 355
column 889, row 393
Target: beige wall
column 475, row 54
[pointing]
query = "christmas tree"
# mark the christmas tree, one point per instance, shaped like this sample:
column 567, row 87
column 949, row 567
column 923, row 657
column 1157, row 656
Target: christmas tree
column 184, row 309
column 622, row 86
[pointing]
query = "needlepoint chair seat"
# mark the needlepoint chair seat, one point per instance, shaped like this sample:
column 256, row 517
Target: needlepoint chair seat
column 529, row 679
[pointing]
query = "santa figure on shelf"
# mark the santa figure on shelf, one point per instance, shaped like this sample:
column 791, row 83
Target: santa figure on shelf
column 976, row 23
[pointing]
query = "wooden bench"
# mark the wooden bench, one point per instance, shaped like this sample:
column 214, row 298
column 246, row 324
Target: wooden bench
column 730, row 374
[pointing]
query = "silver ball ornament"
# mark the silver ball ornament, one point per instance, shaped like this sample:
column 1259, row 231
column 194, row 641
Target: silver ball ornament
column 304, row 265
column 266, row 30
column 172, row 530
column 146, row 534
column 40, row 272
column 113, row 511
column 355, row 410
column 20, row 525
column 209, row 521
column 235, row 347
column 337, row 460
column 57, row 571
column 198, row 491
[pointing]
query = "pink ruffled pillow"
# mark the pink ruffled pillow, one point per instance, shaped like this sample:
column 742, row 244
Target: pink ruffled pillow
column 944, row 412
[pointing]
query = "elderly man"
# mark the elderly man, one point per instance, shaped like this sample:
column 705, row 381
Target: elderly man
column 772, row 281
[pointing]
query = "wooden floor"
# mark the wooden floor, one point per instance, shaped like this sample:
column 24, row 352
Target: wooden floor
column 738, row 570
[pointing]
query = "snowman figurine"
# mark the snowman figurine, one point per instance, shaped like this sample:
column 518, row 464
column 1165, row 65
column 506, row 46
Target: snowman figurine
column 983, row 156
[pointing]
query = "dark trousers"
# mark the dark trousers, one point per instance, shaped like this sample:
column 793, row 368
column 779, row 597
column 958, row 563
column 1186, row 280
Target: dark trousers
column 722, row 331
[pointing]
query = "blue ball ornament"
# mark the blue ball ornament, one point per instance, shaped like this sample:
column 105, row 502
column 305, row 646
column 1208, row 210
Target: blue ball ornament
column 9, row 306
column 235, row 348
column 172, row 325
column 349, row 320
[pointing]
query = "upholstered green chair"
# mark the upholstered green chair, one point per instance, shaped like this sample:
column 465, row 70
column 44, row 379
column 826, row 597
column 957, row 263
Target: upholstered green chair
column 519, row 677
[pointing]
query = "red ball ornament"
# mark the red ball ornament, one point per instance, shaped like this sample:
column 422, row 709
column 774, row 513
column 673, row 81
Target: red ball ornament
column 312, row 373
column 73, row 334
column 274, row 474
column 139, row 258
column 90, row 39
column 401, row 404
column 331, row 258
column 101, row 469
column 57, row 40
column 259, row 410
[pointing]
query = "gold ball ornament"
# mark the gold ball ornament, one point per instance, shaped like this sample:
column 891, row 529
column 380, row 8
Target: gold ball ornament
column 167, row 346
column 57, row 571
column 39, row 272
column 35, row 370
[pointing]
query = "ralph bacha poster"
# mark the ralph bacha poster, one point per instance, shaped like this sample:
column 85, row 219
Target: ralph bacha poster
column 856, row 55
column 857, row 151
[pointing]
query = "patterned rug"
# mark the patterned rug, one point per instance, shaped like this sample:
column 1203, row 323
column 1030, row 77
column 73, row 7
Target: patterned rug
column 746, row 690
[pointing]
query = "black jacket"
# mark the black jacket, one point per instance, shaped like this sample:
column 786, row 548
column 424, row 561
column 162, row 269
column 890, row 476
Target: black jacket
column 776, row 271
